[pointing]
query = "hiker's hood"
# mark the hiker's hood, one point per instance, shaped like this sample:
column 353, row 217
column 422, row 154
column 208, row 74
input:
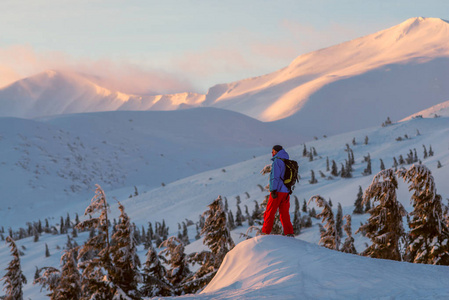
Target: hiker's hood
column 281, row 154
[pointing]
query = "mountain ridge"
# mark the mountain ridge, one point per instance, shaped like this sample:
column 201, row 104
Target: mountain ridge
column 405, row 66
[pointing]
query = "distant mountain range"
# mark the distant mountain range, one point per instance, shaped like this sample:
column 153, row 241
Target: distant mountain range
column 357, row 84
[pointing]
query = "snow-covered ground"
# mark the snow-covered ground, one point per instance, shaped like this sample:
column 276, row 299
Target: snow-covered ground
column 56, row 161
column 277, row 267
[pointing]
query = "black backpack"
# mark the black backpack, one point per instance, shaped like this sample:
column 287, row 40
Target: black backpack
column 291, row 173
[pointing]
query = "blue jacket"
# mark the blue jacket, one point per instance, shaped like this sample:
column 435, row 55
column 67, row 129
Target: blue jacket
column 277, row 173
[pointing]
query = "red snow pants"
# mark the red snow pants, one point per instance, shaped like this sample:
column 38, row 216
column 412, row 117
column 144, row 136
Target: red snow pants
column 283, row 203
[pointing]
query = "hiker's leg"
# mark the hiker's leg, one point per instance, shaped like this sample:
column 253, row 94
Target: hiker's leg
column 284, row 213
column 270, row 212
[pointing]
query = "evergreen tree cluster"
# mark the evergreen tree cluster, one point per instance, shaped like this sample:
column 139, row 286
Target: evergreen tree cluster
column 428, row 239
column 107, row 265
column 36, row 229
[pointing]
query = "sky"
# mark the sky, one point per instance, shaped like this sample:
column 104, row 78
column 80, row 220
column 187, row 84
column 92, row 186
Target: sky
column 155, row 47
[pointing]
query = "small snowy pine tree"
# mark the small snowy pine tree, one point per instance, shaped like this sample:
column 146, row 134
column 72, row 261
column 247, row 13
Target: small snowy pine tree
column 177, row 260
column 94, row 256
column 348, row 245
column 14, row 278
column 384, row 226
column 382, row 165
column 312, row 177
column 329, row 237
column 429, row 235
column 334, row 170
column 155, row 282
column 124, row 273
column 358, row 206
column 425, row 152
column 339, row 220
column 69, row 286
column 218, row 238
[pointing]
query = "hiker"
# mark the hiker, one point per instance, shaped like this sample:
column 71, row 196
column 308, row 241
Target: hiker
column 279, row 194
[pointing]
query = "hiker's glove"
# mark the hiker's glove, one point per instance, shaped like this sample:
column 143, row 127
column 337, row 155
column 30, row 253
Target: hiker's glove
column 274, row 195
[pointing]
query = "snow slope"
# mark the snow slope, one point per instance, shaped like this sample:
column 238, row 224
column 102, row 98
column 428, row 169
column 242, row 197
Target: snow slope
column 439, row 110
column 57, row 161
column 273, row 267
column 190, row 196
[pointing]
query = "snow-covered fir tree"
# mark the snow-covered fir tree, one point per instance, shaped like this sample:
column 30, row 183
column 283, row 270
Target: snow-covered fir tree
column 425, row 152
column 94, row 255
column 124, row 272
column 231, row 224
column 70, row 283
column 248, row 216
column 297, row 218
column 382, row 165
column 367, row 170
column 329, row 237
column 47, row 251
column 430, row 151
column 185, row 234
column 339, row 220
column 348, row 245
column 64, row 284
column 14, row 279
column 358, row 204
column 257, row 214
column 49, row 280
column 217, row 238
column 155, row 282
column 429, row 234
column 216, row 234
column 384, row 227
column 176, row 259
column 310, row 155
column 304, row 206
column 395, row 164
column 239, row 218
column 334, row 169
column 312, row 180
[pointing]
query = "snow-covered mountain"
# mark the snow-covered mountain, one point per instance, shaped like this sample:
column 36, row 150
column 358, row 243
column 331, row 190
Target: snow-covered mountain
column 356, row 84
column 55, row 92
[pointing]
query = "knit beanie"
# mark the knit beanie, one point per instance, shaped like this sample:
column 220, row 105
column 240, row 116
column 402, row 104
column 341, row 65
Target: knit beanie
column 277, row 148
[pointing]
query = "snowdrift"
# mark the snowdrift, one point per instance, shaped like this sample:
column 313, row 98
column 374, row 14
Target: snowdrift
column 277, row 267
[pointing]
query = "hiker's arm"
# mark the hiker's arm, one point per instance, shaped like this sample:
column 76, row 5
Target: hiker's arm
column 275, row 175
